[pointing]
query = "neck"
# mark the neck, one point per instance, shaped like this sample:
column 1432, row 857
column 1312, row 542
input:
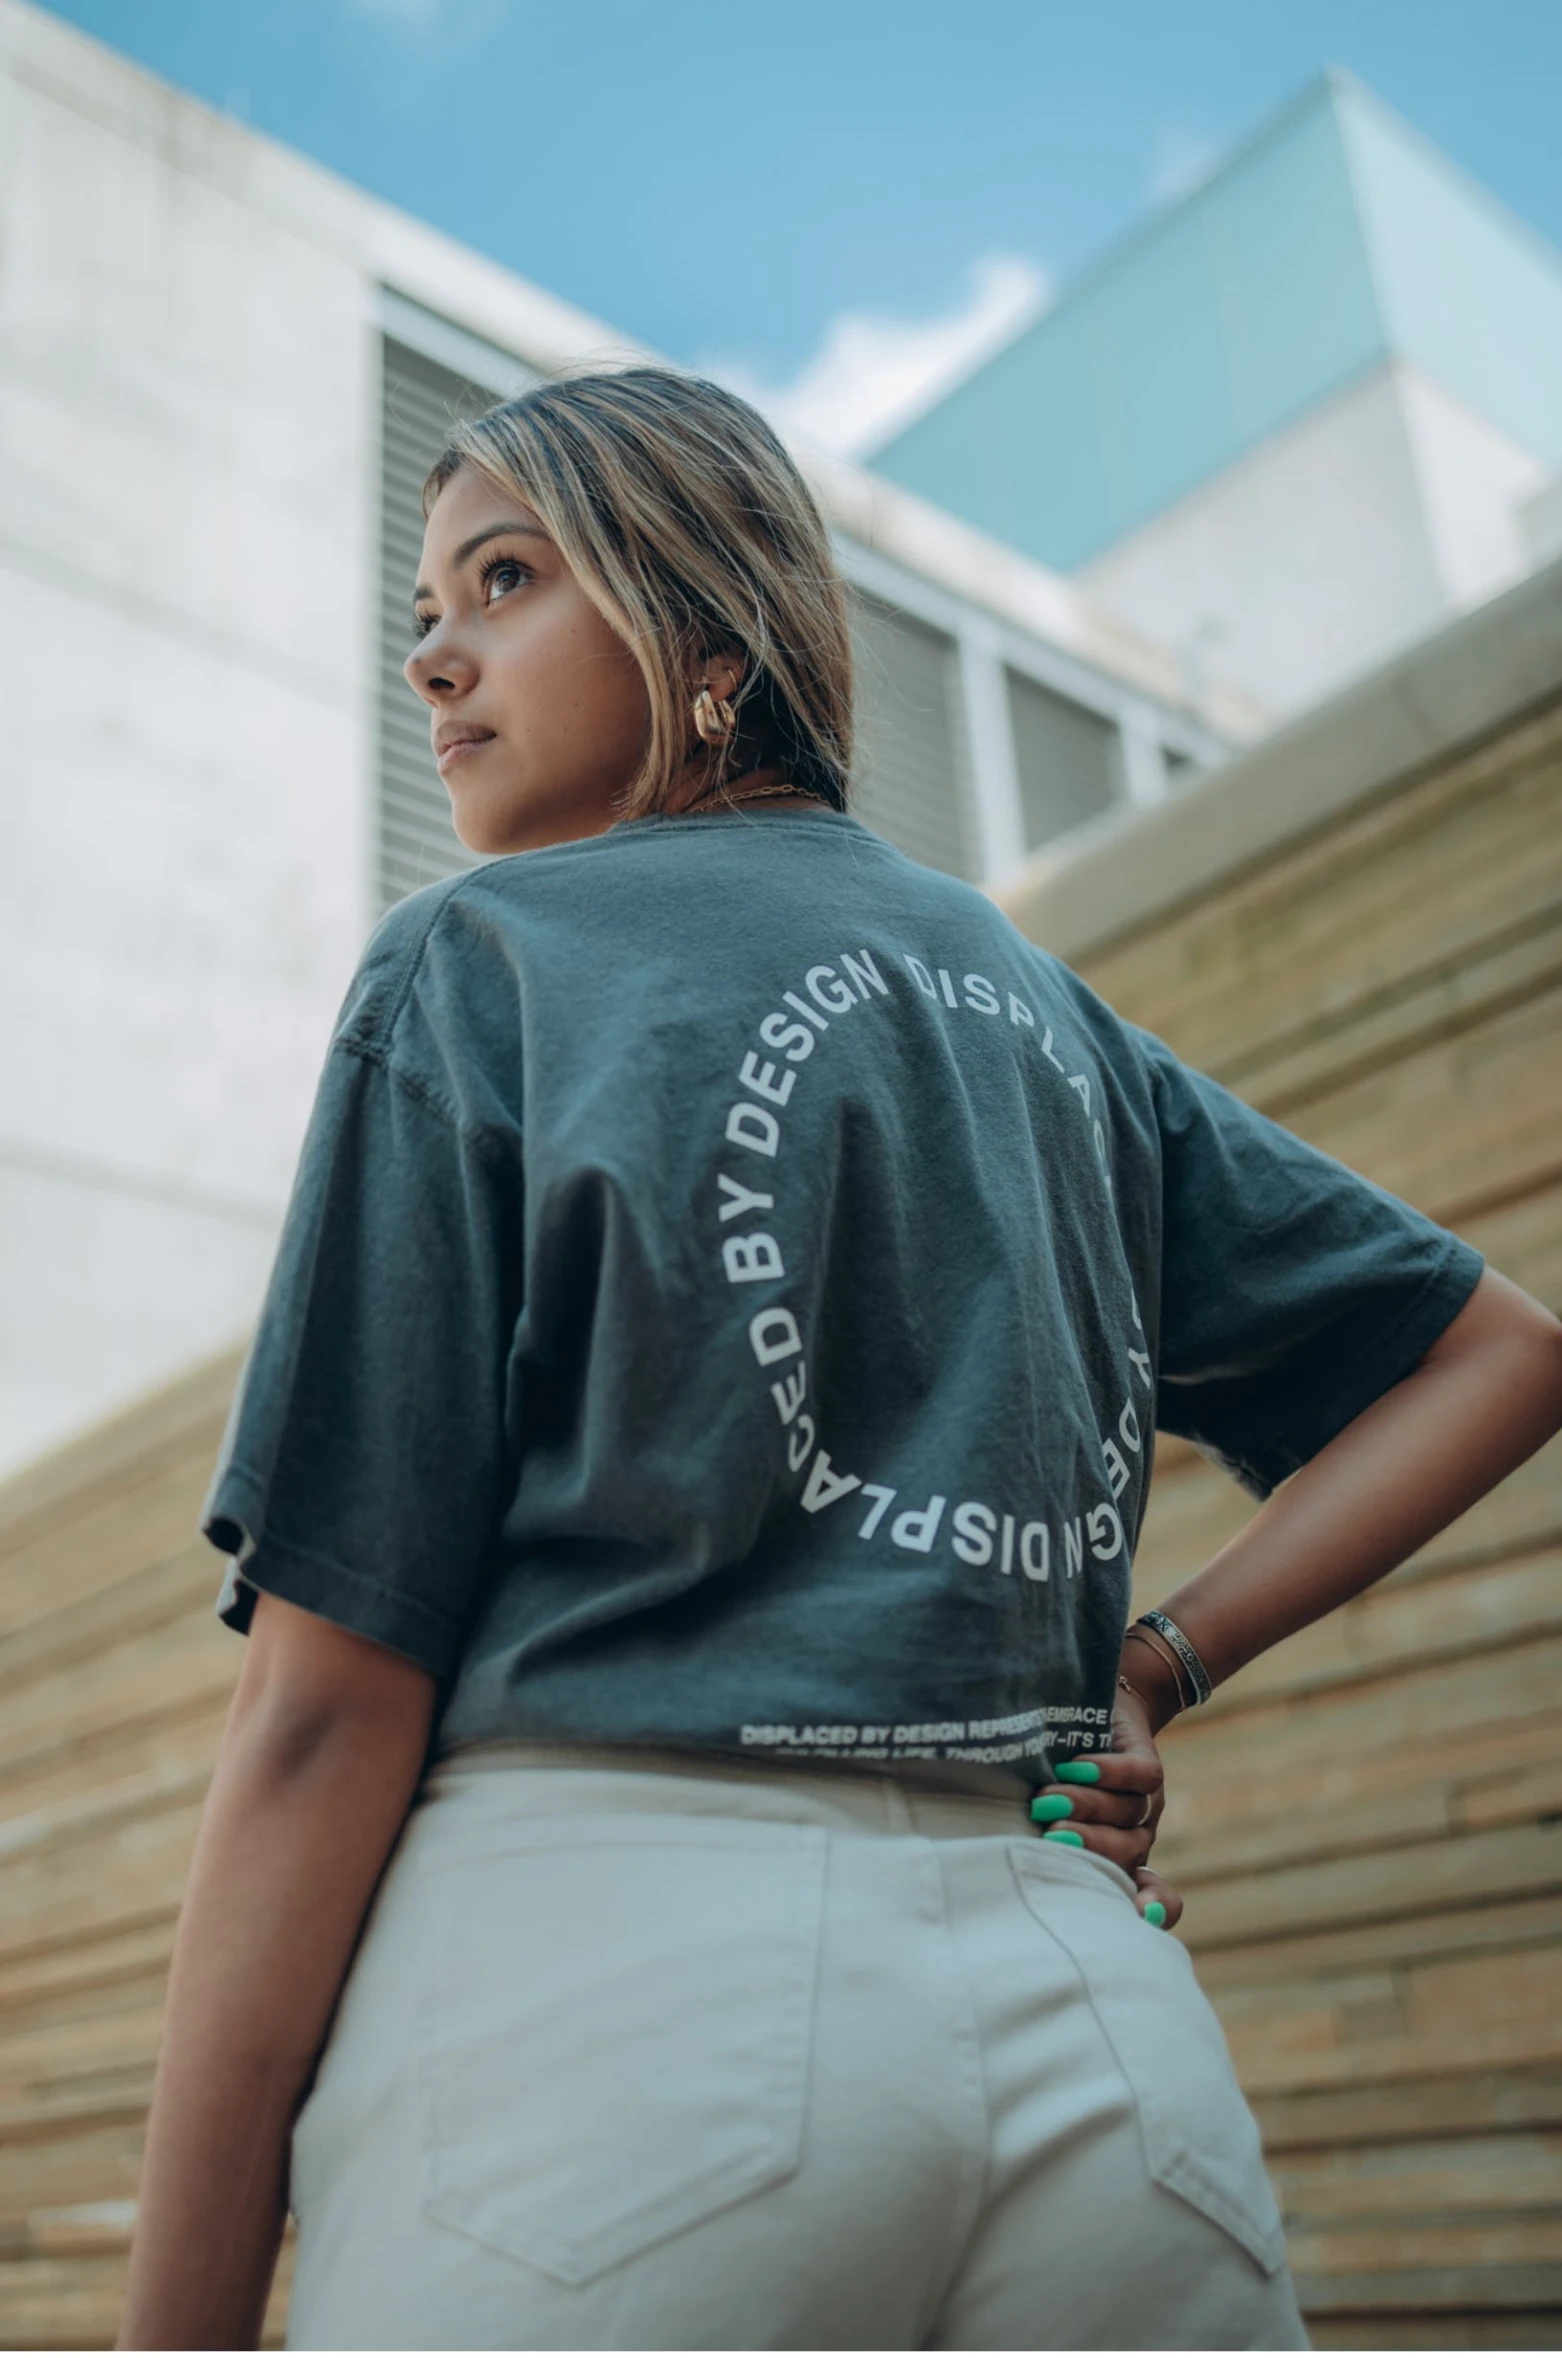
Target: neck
column 768, row 784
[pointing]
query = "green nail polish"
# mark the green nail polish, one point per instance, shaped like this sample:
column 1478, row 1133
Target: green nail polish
column 1155, row 1913
column 1078, row 1772
column 1051, row 1805
column 1064, row 1834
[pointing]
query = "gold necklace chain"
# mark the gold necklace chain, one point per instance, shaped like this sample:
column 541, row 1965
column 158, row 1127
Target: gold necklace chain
column 754, row 794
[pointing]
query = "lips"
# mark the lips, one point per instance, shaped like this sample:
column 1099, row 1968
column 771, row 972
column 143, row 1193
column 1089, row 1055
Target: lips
column 450, row 743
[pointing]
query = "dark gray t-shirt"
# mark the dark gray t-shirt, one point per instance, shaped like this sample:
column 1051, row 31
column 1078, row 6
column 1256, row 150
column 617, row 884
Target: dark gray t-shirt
column 729, row 1290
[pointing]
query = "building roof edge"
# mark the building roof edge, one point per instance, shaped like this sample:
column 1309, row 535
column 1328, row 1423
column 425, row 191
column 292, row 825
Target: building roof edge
column 1133, row 870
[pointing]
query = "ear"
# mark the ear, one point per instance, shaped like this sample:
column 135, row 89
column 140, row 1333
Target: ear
column 722, row 673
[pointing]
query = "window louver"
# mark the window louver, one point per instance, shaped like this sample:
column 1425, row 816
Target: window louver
column 417, row 844
column 910, row 782
column 1068, row 760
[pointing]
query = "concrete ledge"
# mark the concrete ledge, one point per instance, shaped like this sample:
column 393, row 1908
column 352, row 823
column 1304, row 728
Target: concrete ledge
column 1452, row 689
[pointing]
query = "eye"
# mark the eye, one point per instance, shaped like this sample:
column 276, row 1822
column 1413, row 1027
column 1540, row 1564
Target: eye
column 494, row 566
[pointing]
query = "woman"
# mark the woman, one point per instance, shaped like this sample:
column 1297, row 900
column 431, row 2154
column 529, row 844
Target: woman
column 682, row 1492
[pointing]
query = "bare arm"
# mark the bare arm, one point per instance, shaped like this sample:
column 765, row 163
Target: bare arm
column 319, row 1760
column 1486, row 1396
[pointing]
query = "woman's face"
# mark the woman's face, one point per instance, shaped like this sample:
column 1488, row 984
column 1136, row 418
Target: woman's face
column 540, row 714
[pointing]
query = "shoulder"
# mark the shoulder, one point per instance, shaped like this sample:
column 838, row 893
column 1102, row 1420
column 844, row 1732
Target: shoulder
column 434, row 1000
column 1134, row 1054
column 388, row 965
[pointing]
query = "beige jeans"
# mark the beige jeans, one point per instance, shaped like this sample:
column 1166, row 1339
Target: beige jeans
column 642, row 2050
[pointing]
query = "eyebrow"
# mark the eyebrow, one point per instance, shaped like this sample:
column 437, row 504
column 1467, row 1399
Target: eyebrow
column 470, row 547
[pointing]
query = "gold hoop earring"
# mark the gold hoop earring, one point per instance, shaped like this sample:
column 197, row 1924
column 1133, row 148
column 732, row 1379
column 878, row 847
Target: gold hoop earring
column 714, row 718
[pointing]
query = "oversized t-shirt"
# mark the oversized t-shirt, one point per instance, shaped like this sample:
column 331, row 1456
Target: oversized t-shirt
column 730, row 1287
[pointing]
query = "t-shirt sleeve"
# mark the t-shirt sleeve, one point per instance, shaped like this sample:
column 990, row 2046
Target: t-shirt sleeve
column 1293, row 1291
column 363, row 1469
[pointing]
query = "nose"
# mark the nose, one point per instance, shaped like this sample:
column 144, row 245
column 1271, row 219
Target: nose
column 437, row 668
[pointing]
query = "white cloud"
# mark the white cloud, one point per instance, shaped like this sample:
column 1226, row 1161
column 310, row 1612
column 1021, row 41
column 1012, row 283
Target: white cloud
column 451, row 22
column 1183, row 161
column 872, row 373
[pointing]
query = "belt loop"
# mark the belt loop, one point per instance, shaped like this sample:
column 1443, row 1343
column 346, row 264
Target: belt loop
column 902, row 1816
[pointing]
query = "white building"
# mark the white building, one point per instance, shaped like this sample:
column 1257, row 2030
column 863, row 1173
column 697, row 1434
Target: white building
column 223, row 373
column 1293, row 423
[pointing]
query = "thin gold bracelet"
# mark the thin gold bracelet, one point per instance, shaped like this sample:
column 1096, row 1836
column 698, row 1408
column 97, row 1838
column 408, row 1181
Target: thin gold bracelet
column 1158, row 1646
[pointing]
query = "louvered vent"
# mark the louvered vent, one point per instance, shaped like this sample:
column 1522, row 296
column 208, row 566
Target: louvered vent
column 911, row 783
column 1069, row 760
column 418, row 845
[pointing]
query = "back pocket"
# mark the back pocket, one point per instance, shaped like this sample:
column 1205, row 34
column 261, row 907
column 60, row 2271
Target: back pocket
column 614, row 2028
column 1200, row 2138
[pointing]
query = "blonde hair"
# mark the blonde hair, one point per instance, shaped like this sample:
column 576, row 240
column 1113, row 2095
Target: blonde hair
column 687, row 525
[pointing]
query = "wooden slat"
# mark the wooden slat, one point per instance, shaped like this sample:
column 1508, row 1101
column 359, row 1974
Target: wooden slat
column 1366, row 2111
column 1523, row 1238
column 1485, row 1757
column 181, row 1734
column 128, row 1527
column 1488, row 1928
column 1398, row 1623
column 194, row 1662
column 170, row 1425
column 112, row 1882
column 1426, row 1702
column 1396, row 1126
column 1347, row 921
column 71, row 2301
column 1445, row 2329
column 1443, row 2177
column 1196, row 1509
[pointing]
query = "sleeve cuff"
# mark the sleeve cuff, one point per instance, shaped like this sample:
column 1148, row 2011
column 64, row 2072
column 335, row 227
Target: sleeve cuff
column 1402, row 1345
column 300, row 1577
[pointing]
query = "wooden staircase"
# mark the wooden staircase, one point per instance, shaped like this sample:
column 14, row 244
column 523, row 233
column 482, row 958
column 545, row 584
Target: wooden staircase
column 115, row 1677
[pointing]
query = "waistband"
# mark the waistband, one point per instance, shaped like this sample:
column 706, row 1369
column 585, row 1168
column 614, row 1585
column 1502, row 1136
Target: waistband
column 943, row 1799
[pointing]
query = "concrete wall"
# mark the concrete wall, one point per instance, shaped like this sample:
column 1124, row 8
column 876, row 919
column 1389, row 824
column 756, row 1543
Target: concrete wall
column 186, row 414
column 1340, row 539
column 190, row 325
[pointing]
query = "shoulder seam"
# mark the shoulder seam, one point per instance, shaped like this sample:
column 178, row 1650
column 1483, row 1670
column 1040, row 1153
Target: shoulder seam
column 490, row 1144
column 391, row 1015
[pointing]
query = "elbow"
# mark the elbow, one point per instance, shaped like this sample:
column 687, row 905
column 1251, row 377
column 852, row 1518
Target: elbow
column 310, row 1692
column 1514, row 1343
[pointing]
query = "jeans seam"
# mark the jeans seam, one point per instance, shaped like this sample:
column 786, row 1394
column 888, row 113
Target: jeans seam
column 966, row 2214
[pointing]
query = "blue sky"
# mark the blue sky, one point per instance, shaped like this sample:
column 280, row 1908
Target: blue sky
column 829, row 201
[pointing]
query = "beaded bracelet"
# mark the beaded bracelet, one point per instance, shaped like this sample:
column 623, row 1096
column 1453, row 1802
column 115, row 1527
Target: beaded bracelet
column 1203, row 1684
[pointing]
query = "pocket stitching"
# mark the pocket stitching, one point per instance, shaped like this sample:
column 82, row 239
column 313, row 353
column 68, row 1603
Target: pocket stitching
column 781, row 2093
column 1172, row 2162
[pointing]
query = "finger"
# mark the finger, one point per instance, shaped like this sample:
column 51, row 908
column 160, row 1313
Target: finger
column 1124, row 1776
column 1129, row 1812
column 1156, row 1892
column 1128, row 1850
column 1136, row 1769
